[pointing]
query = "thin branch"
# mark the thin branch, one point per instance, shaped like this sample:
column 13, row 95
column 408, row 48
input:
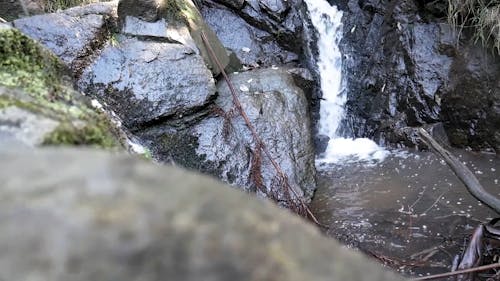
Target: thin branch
column 469, row 270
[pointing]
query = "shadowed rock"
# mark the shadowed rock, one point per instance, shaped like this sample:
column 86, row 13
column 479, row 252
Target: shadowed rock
column 220, row 143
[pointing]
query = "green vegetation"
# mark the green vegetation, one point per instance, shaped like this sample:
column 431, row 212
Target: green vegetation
column 34, row 79
column 481, row 15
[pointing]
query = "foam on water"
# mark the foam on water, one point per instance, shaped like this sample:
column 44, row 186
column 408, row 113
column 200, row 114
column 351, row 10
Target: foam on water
column 327, row 20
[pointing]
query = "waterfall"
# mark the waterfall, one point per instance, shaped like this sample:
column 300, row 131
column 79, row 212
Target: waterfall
column 327, row 20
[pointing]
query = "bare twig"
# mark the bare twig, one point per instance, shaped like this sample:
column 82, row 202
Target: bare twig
column 258, row 142
column 469, row 270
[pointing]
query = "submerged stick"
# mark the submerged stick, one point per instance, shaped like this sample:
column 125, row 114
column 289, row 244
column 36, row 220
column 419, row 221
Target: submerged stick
column 462, row 172
column 259, row 143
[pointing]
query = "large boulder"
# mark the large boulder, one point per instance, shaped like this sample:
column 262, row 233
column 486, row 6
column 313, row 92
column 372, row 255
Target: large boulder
column 221, row 144
column 86, row 215
column 38, row 104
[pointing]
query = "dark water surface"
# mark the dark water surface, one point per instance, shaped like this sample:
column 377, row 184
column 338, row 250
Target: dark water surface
column 409, row 211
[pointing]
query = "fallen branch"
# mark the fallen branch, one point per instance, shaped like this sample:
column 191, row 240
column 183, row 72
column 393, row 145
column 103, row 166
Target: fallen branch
column 302, row 206
column 469, row 270
column 2, row 20
column 462, row 172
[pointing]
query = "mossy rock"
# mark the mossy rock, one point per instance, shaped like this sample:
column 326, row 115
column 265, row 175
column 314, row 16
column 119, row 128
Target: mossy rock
column 33, row 79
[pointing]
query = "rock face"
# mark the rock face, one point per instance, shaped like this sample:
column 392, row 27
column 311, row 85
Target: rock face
column 221, row 144
column 401, row 69
column 38, row 104
column 471, row 107
column 156, row 76
column 253, row 46
column 119, row 218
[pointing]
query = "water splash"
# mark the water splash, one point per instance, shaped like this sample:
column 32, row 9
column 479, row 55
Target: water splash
column 327, row 20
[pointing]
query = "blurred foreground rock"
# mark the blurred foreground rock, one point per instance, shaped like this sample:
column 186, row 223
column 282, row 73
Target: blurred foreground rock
column 87, row 215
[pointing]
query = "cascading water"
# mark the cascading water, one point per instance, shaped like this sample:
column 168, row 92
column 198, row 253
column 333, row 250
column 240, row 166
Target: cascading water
column 327, row 20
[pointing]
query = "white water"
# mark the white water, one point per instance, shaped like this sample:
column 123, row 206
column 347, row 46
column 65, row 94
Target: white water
column 327, row 20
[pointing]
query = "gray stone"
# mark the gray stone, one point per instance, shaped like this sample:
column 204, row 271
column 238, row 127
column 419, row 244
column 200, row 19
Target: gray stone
column 471, row 104
column 283, row 20
column 70, row 37
column 222, row 145
column 179, row 14
column 405, row 69
column 87, row 215
column 254, row 47
column 137, row 27
column 143, row 81
column 277, row 9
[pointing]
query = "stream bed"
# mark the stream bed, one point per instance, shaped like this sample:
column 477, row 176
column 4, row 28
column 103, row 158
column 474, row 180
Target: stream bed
column 409, row 211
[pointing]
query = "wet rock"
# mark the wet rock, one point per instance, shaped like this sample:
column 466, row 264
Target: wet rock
column 282, row 19
column 146, row 81
column 396, row 67
column 404, row 70
column 137, row 221
column 73, row 35
column 254, row 47
column 471, row 106
column 24, row 126
column 221, row 144
column 38, row 104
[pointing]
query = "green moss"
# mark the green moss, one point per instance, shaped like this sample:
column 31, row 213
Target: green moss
column 26, row 65
column 33, row 79
column 90, row 134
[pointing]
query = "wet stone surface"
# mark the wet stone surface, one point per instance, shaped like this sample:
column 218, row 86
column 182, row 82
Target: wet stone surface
column 410, row 211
